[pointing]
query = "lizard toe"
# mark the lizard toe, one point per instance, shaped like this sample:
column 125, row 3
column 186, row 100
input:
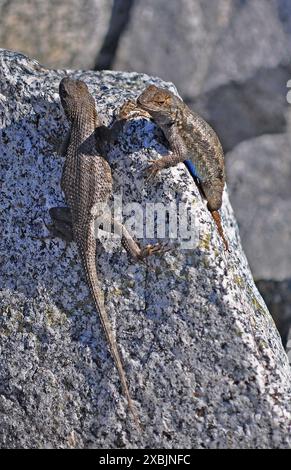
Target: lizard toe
column 151, row 172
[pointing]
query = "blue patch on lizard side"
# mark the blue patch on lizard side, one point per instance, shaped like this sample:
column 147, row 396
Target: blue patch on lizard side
column 192, row 169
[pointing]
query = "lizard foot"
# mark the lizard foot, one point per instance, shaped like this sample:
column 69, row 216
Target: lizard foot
column 130, row 110
column 150, row 250
column 126, row 109
column 152, row 170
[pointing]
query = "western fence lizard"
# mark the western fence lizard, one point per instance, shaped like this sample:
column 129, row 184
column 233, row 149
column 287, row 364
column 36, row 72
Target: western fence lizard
column 191, row 140
column 87, row 184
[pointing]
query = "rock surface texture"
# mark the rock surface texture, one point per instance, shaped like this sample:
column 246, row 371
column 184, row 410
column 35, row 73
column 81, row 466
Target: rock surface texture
column 204, row 360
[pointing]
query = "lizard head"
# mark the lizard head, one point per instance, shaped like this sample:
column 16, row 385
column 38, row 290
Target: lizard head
column 75, row 97
column 159, row 103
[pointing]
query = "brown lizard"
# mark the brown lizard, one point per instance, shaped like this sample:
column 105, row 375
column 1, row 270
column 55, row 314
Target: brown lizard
column 191, row 140
column 87, row 184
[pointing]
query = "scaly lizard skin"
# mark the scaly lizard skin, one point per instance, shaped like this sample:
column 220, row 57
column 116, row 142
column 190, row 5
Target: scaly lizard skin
column 191, row 140
column 87, row 183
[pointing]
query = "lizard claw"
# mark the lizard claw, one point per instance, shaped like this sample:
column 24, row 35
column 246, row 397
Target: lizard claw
column 152, row 170
column 150, row 250
column 130, row 110
column 126, row 110
column 153, row 249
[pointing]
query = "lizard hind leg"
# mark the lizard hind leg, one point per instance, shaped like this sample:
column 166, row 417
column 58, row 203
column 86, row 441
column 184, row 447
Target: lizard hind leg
column 135, row 251
column 130, row 245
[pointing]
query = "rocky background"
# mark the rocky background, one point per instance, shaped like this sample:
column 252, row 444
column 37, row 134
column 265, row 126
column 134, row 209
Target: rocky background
column 230, row 61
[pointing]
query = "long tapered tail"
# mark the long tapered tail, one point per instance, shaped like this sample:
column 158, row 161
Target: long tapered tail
column 89, row 262
column 217, row 220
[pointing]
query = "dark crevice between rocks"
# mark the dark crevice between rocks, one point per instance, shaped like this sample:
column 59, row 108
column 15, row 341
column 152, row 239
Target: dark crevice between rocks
column 120, row 17
column 277, row 295
column 254, row 107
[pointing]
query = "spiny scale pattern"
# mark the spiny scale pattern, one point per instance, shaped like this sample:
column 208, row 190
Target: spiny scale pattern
column 192, row 141
column 87, row 183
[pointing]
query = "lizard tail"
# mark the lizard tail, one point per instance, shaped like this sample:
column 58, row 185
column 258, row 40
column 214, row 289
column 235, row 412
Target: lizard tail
column 217, row 220
column 89, row 262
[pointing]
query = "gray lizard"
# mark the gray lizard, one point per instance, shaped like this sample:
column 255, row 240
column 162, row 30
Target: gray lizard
column 191, row 140
column 87, row 184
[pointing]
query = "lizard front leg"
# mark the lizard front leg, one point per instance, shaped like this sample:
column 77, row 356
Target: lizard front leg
column 130, row 110
column 105, row 136
column 161, row 164
column 178, row 154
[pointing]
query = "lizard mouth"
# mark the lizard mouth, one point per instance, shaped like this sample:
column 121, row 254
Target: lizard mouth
column 147, row 107
column 142, row 104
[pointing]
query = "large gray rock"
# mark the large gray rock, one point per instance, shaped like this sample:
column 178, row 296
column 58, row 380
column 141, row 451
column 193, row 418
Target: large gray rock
column 248, row 72
column 258, row 174
column 202, row 44
column 255, row 106
column 59, row 34
column 174, row 40
column 255, row 38
column 205, row 363
column 228, row 58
